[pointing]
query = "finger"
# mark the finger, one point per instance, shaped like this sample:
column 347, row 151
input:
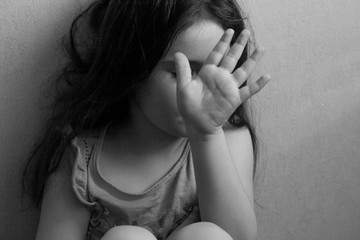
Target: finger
column 232, row 57
column 220, row 48
column 243, row 72
column 183, row 70
column 253, row 88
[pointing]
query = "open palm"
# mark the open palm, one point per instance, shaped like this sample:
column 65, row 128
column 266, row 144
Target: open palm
column 208, row 100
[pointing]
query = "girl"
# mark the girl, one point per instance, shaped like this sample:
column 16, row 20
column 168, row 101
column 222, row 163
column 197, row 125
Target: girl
column 138, row 145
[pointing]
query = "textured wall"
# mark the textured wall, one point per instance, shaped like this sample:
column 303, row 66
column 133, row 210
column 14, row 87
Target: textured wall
column 30, row 37
column 308, row 116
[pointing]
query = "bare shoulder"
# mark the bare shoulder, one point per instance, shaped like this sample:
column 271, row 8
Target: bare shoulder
column 62, row 215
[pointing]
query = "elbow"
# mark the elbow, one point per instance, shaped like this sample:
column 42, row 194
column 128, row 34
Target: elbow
column 248, row 234
column 251, row 231
column 251, row 228
column 247, row 231
column 251, row 234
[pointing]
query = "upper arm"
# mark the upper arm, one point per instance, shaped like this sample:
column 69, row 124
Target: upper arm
column 241, row 150
column 62, row 215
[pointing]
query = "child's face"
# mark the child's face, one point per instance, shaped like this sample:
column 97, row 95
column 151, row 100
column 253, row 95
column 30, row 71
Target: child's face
column 157, row 98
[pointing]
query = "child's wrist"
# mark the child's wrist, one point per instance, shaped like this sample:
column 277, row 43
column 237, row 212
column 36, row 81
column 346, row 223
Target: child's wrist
column 197, row 135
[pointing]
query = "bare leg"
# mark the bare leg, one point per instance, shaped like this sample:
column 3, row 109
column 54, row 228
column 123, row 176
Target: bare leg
column 128, row 233
column 201, row 231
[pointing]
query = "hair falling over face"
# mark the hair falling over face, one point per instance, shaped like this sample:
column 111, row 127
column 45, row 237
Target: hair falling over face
column 113, row 46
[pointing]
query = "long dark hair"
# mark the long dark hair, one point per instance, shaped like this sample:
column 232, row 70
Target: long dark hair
column 113, row 46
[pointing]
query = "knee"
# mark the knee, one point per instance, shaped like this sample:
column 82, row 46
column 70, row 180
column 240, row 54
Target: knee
column 202, row 230
column 128, row 233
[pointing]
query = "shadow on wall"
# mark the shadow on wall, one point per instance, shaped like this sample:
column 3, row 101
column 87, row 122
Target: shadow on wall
column 30, row 56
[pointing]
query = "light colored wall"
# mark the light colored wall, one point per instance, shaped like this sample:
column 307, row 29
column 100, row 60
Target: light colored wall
column 308, row 116
column 30, row 37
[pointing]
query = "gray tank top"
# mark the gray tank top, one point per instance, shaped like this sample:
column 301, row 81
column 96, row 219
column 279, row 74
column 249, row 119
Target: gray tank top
column 165, row 207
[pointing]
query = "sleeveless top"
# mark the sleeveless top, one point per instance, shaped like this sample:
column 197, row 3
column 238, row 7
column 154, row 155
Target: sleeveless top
column 168, row 205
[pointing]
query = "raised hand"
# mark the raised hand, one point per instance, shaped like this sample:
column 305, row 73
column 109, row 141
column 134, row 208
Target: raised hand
column 208, row 100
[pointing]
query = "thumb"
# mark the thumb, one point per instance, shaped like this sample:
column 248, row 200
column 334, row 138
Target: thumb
column 183, row 70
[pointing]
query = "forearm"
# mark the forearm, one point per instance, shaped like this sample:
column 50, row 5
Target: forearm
column 222, row 196
column 205, row 102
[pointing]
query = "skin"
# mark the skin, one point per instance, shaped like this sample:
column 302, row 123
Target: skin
column 180, row 100
column 205, row 103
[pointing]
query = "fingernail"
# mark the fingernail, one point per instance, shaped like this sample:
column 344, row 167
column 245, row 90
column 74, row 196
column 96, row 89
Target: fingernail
column 261, row 49
column 246, row 32
column 264, row 79
column 230, row 31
